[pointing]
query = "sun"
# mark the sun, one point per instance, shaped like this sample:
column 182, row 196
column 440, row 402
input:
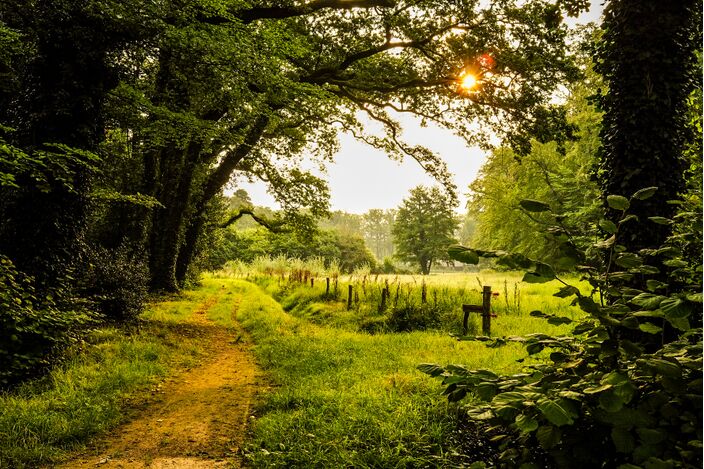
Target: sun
column 468, row 82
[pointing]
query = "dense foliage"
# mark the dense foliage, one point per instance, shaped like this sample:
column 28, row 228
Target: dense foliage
column 424, row 227
column 121, row 122
column 561, row 176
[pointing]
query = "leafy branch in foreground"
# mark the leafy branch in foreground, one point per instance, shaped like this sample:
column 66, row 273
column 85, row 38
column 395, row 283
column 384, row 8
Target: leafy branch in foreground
column 630, row 376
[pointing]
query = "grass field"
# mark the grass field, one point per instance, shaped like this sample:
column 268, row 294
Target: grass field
column 344, row 397
column 339, row 395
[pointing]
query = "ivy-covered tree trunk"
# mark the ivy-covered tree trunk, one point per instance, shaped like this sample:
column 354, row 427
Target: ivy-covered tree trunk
column 647, row 58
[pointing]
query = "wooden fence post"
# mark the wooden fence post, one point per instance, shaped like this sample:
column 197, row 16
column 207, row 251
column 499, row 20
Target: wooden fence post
column 327, row 286
column 423, row 293
column 311, row 282
column 349, row 296
column 486, row 311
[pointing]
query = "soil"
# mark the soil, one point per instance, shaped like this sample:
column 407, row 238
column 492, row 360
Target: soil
column 198, row 418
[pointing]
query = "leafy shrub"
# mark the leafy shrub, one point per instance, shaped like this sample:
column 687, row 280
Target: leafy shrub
column 630, row 377
column 411, row 317
column 30, row 329
column 115, row 282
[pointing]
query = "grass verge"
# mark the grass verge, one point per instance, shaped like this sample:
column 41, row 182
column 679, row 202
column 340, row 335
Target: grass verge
column 96, row 383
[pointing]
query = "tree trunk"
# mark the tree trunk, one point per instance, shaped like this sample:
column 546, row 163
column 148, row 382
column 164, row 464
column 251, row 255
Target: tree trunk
column 215, row 182
column 647, row 57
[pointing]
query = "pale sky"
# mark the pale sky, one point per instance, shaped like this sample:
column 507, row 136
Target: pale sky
column 363, row 178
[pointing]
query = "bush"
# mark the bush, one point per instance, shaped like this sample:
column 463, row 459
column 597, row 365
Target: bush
column 30, row 330
column 115, row 283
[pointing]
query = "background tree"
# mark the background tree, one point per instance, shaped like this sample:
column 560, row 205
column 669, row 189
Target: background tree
column 547, row 174
column 424, row 227
column 377, row 226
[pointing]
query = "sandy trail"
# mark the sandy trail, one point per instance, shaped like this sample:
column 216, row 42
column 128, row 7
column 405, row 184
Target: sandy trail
column 200, row 419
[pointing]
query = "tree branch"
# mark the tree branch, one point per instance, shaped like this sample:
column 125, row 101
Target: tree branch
column 273, row 226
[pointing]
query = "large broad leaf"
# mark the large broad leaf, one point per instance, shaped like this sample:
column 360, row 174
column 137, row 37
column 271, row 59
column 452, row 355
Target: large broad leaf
column 544, row 270
column 618, row 202
column 535, row 277
column 554, row 412
column 610, row 401
column 548, row 436
column 589, row 306
column 648, row 300
column 645, row 193
column 526, row 423
column 675, row 308
column 608, row 226
column 623, row 439
column 431, row 369
column 463, row 254
column 531, row 205
column 650, row 328
column 566, row 291
column 629, row 260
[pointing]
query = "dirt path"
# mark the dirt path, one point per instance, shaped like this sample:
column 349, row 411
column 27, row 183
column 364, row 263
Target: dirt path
column 200, row 419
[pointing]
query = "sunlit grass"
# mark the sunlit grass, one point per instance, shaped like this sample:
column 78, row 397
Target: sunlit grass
column 350, row 399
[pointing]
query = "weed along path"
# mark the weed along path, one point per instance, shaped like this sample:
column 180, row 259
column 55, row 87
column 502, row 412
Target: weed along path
column 197, row 418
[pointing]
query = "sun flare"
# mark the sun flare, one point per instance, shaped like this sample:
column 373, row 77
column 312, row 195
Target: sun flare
column 468, row 81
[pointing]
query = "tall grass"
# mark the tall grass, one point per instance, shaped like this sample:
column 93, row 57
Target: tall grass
column 395, row 303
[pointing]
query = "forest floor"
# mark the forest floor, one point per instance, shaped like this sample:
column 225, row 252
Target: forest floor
column 196, row 419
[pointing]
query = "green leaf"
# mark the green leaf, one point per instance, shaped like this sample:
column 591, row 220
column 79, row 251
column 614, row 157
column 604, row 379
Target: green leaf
column 608, row 226
column 623, row 440
column 649, row 328
column 650, row 436
column 654, row 285
column 618, row 202
column 554, row 412
column 566, row 291
column 589, row 306
column 531, row 205
column 598, row 389
column 629, row 260
column 663, row 367
column 610, row 401
column 645, row 193
column 675, row 308
column 648, row 300
column 544, row 270
column 534, row 277
column 548, row 436
column 627, row 218
column 660, row 220
column 695, row 297
column 431, row 369
column 526, row 423
column 463, row 254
